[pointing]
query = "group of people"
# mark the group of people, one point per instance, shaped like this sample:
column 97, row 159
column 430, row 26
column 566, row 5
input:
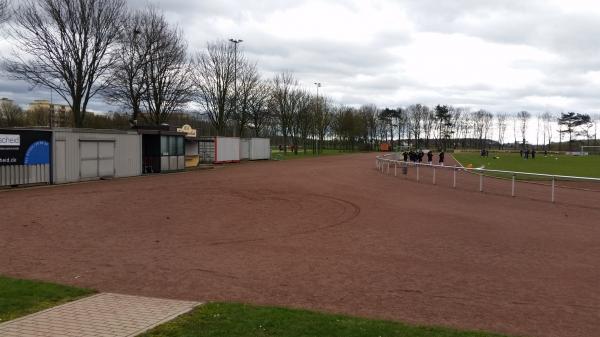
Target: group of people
column 525, row 154
column 417, row 156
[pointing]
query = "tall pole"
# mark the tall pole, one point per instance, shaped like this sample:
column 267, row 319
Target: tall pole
column 318, row 85
column 51, row 110
column 235, row 43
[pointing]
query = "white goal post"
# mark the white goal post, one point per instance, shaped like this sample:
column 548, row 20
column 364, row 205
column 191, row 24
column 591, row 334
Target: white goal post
column 590, row 150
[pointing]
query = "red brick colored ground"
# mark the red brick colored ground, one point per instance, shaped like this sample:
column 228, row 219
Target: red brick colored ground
column 331, row 234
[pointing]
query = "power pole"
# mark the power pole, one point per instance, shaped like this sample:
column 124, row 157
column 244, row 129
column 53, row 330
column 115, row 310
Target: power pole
column 235, row 43
column 318, row 85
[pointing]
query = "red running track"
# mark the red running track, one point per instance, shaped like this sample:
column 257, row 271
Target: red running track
column 330, row 234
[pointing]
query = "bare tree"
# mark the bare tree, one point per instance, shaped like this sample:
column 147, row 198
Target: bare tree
column 303, row 119
column 249, row 80
column 258, row 107
column 322, row 121
column 297, row 103
column 416, row 113
column 457, row 116
column 167, row 80
column 596, row 121
column 547, row 121
column 129, row 78
column 515, row 122
column 66, row 46
column 501, row 123
column 369, row 113
column 481, row 124
column 38, row 116
column 428, row 123
column 523, row 118
column 4, row 11
column 10, row 114
column 488, row 119
column 284, row 101
column 214, row 78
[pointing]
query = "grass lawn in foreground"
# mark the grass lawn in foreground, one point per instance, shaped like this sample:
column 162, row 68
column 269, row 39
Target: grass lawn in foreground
column 588, row 166
column 20, row 297
column 227, row 320
column 277, row 155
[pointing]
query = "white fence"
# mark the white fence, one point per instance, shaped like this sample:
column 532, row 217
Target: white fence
column 497, row 178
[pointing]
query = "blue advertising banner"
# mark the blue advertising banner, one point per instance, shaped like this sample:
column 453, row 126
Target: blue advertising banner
column 25, row 147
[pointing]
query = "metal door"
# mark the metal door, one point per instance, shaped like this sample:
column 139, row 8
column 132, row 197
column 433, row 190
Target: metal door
column 97, row 159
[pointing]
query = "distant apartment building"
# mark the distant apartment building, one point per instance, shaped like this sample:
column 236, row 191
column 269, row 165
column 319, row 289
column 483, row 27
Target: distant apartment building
column 6, row 100
column 59, row 113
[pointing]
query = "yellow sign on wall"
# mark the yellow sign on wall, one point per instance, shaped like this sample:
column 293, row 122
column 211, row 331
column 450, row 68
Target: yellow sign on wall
column 187, row 129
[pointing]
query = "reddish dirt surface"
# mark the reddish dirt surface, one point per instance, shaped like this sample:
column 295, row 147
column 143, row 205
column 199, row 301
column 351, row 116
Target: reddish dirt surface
column 330, row 234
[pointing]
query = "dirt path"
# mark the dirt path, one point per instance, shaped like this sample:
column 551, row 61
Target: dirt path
column 329, row 234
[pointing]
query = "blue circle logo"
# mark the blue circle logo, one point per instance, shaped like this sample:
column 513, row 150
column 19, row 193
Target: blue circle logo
column 38, row 153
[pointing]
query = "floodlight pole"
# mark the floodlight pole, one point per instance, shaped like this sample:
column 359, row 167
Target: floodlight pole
column 235, row 43
column 318, row 85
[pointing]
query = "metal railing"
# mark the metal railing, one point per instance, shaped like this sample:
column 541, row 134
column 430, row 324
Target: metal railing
column 384, row 163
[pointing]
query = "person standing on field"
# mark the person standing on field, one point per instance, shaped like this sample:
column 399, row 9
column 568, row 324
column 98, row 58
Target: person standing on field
column 441, row 160
column 533, row 154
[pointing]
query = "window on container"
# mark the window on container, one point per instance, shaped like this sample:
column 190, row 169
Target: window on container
column 164, row 145
column 180, row 146
column 172, row 146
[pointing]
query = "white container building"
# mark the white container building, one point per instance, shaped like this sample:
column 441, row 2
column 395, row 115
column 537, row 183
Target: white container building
column 259, row 149
column 81, row 155
column 227, row 150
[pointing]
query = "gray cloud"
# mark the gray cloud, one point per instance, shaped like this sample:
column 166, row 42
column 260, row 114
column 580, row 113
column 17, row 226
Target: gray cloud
column 360, row 71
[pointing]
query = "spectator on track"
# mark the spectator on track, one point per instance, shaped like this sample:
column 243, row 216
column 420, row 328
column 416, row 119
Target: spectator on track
column 430, row 157
column 421, row 155
column 405, row 155
column 441, row 160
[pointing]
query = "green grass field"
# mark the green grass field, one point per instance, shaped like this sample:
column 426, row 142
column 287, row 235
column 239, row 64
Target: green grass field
column 552, row 164
column 226, row 320
column 277, row 155
column 20, row 297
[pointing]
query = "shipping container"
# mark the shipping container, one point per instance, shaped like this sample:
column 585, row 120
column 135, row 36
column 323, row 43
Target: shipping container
column 25, row 157
column 259, row 149
column 227, row 150
column 85, row 154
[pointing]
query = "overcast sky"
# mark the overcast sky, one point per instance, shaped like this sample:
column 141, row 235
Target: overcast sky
column 504, row 56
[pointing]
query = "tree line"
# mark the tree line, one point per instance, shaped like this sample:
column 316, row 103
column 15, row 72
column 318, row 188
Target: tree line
column 135, row 59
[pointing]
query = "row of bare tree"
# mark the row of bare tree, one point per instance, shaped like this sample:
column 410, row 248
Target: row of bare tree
column 452, row 127
column 137, row 60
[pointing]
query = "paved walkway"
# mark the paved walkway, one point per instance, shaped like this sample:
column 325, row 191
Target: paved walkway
column 102, row 315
